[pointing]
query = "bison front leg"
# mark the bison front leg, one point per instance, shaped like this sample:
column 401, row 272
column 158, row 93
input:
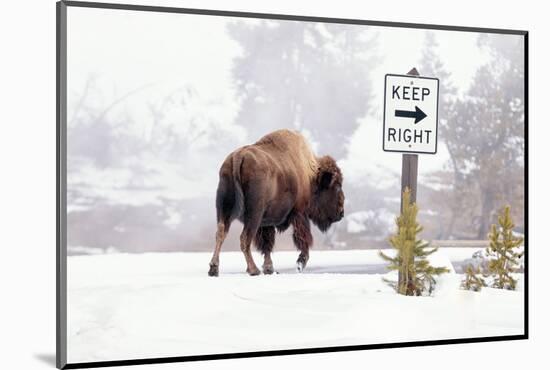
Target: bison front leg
column 302, row 240
column 265, row 239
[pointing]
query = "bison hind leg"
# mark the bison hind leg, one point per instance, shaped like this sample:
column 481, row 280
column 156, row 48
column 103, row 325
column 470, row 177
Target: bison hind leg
column 221, row 233
column 264, row 241
column 213, row 270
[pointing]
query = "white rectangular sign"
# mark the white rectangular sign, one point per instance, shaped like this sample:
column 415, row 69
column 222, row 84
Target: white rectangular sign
column 410, row 114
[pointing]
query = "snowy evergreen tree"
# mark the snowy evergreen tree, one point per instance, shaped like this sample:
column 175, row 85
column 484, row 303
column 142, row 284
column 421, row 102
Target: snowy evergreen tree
column 472, row 279
column 483, row 131
column 416, row 273
column 503, row 251
column 319, row 78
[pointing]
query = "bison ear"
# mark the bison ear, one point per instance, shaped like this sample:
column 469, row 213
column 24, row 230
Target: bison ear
column 325, row 180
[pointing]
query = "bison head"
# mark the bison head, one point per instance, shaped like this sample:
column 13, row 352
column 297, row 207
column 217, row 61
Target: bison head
column 327, row 199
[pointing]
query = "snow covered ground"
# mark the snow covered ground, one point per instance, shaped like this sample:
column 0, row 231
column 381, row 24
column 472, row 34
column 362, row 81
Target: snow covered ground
column 123, row 306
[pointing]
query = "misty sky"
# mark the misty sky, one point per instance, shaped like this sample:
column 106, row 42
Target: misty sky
column 129, row 62
column 159, row 52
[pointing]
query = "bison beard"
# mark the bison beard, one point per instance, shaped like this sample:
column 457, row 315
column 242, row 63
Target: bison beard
column 273, row 184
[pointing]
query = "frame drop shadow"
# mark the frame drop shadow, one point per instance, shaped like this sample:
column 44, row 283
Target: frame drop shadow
column 46, row 358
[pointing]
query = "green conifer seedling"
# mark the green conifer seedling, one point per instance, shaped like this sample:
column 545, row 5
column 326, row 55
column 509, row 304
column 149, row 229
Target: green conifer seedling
column 503, row 251
column 472, row 280
column 416, row 275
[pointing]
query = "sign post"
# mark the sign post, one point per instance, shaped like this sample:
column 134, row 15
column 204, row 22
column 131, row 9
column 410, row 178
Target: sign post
column 410, row 123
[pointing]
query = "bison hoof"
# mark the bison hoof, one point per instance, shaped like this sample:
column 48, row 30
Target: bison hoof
column 268, row 270
column 253, row 271
column 213, row 270
column 300, row 266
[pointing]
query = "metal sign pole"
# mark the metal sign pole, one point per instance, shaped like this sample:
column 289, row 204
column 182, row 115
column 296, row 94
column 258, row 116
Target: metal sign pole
column 409, row 166
column 409, row 175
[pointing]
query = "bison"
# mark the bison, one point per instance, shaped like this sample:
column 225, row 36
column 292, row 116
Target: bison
column 270, row 185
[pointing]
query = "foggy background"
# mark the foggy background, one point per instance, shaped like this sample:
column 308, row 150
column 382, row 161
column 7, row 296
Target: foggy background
column 157, row 101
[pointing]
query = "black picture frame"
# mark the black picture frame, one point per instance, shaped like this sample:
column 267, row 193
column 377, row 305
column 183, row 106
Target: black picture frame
column 61, row 185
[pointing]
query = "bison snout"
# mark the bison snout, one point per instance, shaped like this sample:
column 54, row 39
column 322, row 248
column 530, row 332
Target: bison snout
column 340, row 215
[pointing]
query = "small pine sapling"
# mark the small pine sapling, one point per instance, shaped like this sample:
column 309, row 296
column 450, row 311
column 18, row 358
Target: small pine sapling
column 503, row 251
column 472, row 280
column 416, row 275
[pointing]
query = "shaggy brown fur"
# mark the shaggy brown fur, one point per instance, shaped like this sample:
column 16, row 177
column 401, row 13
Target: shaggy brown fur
column 275, row 183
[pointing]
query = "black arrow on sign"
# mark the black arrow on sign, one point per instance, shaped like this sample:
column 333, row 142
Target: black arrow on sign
column 417, row 114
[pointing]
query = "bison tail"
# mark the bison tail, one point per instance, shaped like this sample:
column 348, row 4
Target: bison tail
column 230, row 197
column 238, row 208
